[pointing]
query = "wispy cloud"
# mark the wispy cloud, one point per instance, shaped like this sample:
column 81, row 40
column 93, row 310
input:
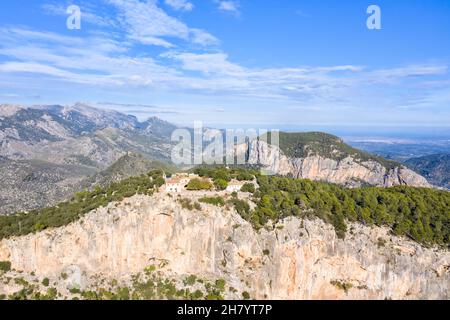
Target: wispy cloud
column 183, row 5
column 136, row 108
column 148, row 24
column 192, row 64
column 107, row 62
column 229, row 6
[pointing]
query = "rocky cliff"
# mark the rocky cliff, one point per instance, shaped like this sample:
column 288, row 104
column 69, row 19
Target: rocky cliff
column 293, row 260
column 347, row 170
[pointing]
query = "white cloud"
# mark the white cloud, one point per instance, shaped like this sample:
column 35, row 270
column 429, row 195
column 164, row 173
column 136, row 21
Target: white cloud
column 229, row 6
column 208, row 63
column 203, row 38
column 101, row 61
column 148, row 24
column 180, row 4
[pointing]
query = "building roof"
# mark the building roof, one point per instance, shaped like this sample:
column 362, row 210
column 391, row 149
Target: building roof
column 174, row 180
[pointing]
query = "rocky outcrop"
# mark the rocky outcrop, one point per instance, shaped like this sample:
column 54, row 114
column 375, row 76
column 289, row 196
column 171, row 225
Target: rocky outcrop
column 348, row 171
column 294, row 260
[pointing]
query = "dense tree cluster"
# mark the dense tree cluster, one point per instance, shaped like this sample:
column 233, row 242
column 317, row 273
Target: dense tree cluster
column 303, row 144
column 222, row 173
column 199, row 184
column 419, row 213
column 83, row 202
column 221, row 176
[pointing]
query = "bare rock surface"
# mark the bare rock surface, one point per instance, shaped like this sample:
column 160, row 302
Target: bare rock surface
column 293, row 260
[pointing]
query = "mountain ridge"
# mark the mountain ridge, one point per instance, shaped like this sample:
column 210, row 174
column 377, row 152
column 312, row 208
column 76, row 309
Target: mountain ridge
column 436, row 168
column 89, row 140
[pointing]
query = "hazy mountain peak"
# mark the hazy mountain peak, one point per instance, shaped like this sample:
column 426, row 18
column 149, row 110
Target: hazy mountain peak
column 7, row 110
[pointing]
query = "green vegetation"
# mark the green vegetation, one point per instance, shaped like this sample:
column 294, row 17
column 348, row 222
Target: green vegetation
column 345, row 286
column 189, row 205
column 220, row 184
column 216, row 201
column 246, row 295
column 241, row 206
column 31, row 292
column 45, row 282
column 155, row 286
column 222, row 173
column 248, row 187
column 300, row 145
column 82, row 203
column 419, row 213
column 5, row 266
column 198, row 184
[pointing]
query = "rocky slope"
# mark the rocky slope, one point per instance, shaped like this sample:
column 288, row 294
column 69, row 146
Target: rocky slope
column 79, row 134
column 34, row 184
column 336, row 166
column 31, row 184
column 436, row 168
column 294, row 260
column 48, row 152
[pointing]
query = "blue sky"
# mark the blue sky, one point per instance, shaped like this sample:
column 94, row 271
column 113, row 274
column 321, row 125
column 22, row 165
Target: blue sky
column 304, row 63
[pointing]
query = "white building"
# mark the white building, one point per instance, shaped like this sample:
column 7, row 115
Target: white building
column 235, row 185
column 175, row 185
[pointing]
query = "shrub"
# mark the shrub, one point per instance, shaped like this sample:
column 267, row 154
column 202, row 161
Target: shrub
column 241, row 206
column 190, row 281
column 5, row 266
column 246, row 295
column 45, row 282
column 220, row 284
column 197, row 295
column 187, row 204
column 216, row 201
column 198, row 184
column 248, row 187
column 345, row 286
column 220, row 184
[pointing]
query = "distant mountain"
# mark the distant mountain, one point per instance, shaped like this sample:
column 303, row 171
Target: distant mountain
column 129, row 165
column 324, row 157
column 301, row 145
column 31, row 184
column 436, row 168
column 48, row 152
column 79, row 134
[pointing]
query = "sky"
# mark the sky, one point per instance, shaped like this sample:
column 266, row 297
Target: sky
column 260, row 63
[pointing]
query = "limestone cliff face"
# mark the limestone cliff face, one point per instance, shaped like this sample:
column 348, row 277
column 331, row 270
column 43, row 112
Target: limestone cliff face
column 348, row 171
column 296, row 260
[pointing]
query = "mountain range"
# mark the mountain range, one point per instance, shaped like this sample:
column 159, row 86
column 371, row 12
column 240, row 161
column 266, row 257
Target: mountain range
column 100, row 226
column 47, row 152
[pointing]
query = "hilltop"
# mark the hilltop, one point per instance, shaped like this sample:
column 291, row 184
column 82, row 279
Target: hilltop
column 285, row 240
